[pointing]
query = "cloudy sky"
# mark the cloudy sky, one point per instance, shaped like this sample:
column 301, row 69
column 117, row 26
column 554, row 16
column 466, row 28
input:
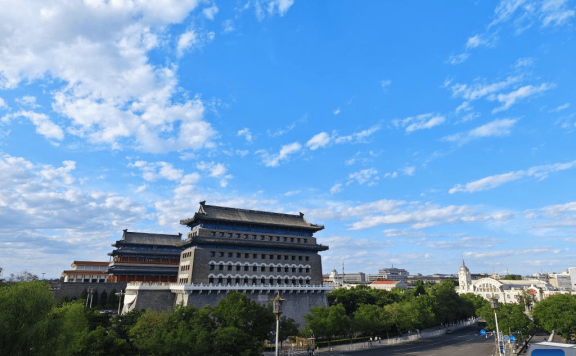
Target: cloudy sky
column 417, row 133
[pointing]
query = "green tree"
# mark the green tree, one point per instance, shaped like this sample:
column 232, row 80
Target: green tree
column 146, row 334
column 327, row 322
column 94, row 298
column 557, row 313
column 112, row 301
column 477, row 301
column 511, row 318
column 23, row 276
column 26, row 322
column 512, row 277
column 103, row 299
column 371, row 320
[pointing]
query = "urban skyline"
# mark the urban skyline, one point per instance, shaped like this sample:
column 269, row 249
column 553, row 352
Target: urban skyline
column 417, row 135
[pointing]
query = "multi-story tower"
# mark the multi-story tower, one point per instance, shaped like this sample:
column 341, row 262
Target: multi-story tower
column 255, row 252
column 145, row 257
column 235, row 246
column 464, row 278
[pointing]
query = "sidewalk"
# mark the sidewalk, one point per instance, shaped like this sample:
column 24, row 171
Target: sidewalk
column 424, row 334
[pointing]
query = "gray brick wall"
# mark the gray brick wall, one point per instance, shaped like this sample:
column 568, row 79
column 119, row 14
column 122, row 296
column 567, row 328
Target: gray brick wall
column 74, row 289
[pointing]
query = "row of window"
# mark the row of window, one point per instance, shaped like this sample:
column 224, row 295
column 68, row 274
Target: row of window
column 261, row 269
column 187, row 254
column 255, row 281
column 262, row 256
column 259, row 237
column 185, row 268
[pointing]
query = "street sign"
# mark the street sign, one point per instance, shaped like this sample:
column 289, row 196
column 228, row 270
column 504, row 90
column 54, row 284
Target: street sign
column 512, row 338
column 506, row 337
column 483, row 332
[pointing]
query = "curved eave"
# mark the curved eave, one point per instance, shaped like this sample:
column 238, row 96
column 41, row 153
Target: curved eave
column 189, row 222
column 197, row 240
column 160, row 254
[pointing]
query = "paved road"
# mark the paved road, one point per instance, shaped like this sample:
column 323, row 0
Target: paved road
column 464, row 342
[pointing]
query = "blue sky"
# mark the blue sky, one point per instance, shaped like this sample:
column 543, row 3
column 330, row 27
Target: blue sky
column 417, row 133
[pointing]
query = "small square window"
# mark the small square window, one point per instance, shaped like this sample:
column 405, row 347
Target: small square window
column 246, row 255
column 221, row 254
column 300, row 269
column 307, row 270
column 255, row 269
column 221, row 234
column 279, row 257
column 271, row 257
column 237, row 268
column 307, row 258
column 238, row 255
column 299, row 258
column 254, row 255
column 271, row 269
column 263, row 269
column 285, row 269
column 263, row 256
column 291, row 239
column 212, row 233
column 293, row 258
column 277, row 238
column 285, row 257
column 245, row 268
column 293, row 269
column 211, row 267
column 212, row 253
column 229, row 268
column 220, row 268
column 229, row 254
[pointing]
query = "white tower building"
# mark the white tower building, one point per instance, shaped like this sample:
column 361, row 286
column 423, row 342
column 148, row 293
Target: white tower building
column 464, row 278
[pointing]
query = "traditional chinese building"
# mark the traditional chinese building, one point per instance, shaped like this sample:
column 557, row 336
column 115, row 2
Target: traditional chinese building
column 255, row 252
column 145, row 257
column 86, row 272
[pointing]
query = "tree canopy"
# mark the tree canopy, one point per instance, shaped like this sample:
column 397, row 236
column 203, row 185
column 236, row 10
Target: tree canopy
column 557, row 313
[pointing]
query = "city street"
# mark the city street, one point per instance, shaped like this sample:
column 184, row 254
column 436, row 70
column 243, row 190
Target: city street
column 462, row 342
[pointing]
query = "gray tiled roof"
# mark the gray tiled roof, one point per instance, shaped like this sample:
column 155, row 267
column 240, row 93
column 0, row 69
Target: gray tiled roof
column 151, row 238
column 213, row 212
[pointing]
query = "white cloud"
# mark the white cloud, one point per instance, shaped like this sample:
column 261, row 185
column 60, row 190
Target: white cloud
column 336, row 188
column 245, row 132
column 112, row 94
column 366, row 176
column 557, row 109
column 480, row 90
column 292, row 193
column 44, row 126
column 319, row 140
column 419, row 122
column 285, row 152
column 210, row 12
column 357, row 136
column 427, row 215
column 475, row 41
column 496, row 128
column 28, row 100
column 337, row 111
column 556, row 12
column 186, row 40
column 153, row 171
column 491, row 182
column 43, row 206
column 525, row 62
column 458, row 58
column 511, row 98
column 265, row 8
column 384, row 83
column 216, row 169
column 228, row 26
column 409, row 171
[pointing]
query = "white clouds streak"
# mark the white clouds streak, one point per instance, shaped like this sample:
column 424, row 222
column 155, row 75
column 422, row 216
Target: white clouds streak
column 419, row 122
column 511, row 98
column 245, row 132
column 491, row 182
column 44, row 126
column 319, row 140
column 496, row 128
column 285, row 152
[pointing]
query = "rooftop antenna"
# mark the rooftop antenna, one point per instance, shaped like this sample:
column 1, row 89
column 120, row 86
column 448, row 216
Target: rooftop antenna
column 343, row 274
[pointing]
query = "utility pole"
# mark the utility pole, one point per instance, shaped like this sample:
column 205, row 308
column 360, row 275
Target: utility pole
column 120, row 299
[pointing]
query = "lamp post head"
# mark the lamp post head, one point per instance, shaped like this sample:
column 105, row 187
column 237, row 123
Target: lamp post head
column 494, row 303
column 277, row 304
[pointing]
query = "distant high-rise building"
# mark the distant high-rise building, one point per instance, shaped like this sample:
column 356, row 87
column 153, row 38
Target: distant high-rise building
column 391, row 274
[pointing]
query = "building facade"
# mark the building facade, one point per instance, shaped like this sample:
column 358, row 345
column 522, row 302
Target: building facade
column 391, row 274
column 145, row 257
column 86, row 272
column 506, row 291
column 255, row 252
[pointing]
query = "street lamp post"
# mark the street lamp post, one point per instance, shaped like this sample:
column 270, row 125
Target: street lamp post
column 120, row 294
column 494, row 305
column 277, row 306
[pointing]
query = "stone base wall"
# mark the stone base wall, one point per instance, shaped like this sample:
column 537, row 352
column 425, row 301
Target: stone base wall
column 158, row 300
column 295, row 306
column 75, row 289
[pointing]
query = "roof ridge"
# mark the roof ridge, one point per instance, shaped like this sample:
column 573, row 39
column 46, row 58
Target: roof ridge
column 256, row 211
